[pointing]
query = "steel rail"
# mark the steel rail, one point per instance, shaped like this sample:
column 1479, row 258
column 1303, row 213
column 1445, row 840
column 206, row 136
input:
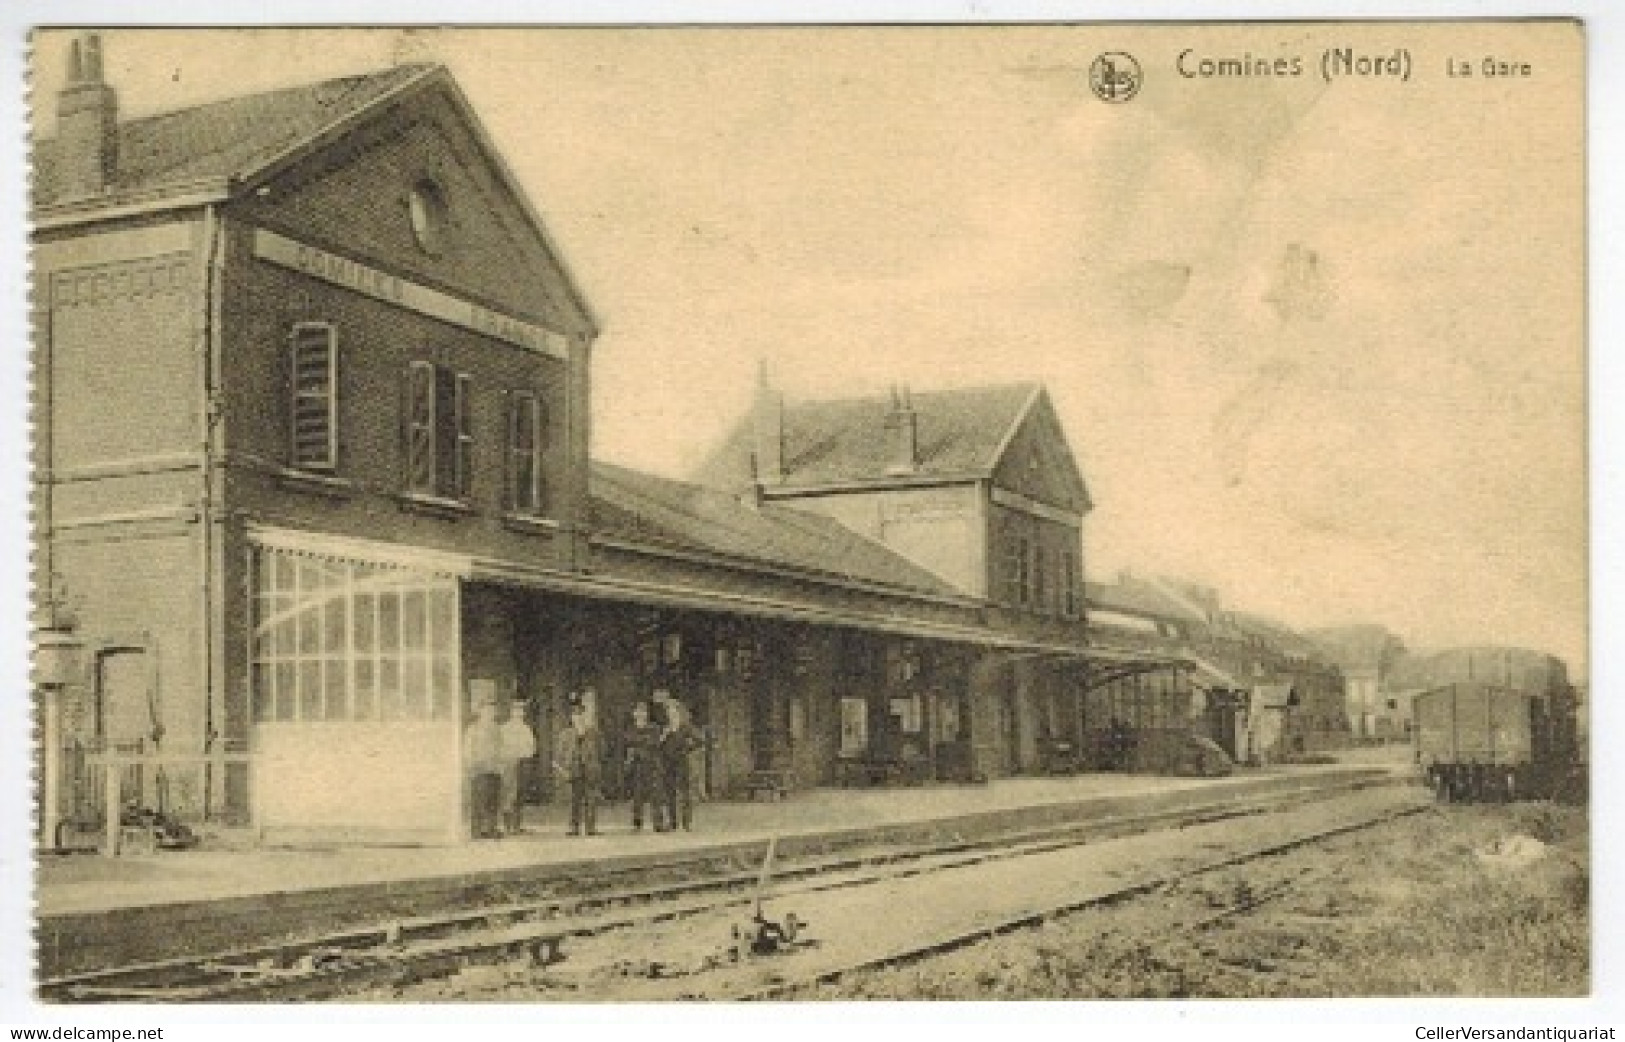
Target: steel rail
column 787, row 988
column 406, row 950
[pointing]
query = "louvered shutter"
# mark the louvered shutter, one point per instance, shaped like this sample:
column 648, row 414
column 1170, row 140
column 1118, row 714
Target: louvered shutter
column 463, row 411
column 313, row 429
column 420, row 428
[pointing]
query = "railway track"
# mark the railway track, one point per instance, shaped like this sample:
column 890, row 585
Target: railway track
column 401, row 952
column 790, row 987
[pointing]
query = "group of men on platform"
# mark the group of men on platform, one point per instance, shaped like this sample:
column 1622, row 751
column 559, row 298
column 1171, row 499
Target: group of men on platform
column 492, row 752
column 657, row 768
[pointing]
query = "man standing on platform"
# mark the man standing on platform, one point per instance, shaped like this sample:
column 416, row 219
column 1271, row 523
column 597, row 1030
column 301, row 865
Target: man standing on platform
column 643, row 769
column 578, row 760
column 677, row 740
column 517, row 742
column 481, row 757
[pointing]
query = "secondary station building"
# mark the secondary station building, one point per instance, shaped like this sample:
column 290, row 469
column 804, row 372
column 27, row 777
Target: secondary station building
column 312, row 480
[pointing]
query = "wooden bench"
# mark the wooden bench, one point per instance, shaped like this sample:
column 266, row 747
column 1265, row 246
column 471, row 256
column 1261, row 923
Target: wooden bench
column 769, row 785
column 866, row 771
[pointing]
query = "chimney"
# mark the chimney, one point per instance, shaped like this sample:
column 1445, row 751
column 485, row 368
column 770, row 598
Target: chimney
column 902, row 434
column 86, row 122
column 768, row 421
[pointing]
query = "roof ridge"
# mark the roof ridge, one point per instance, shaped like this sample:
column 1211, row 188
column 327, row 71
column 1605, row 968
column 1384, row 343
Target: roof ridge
column 291, row 89
column 837, row 554
column 882, row 396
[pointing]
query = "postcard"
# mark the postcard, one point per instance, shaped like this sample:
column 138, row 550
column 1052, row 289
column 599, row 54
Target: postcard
column 611, row 514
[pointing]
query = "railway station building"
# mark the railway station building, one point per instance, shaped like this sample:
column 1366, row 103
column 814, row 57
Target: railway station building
column 313, row 484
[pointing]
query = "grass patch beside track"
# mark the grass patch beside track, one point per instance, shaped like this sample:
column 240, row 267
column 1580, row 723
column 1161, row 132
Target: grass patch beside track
column 1456, row 901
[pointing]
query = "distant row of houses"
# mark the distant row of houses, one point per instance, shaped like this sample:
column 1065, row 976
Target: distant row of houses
column 1298, row 692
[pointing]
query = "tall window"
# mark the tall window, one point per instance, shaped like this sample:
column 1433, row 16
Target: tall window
column 1015, row 566
column 1071, row 592
column 439, row 431
column 313, row 432
column 1040, row 579
column 1018, row 569
column 854, row 726
column 527, row 441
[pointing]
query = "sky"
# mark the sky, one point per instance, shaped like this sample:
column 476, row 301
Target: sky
column 1319, row 345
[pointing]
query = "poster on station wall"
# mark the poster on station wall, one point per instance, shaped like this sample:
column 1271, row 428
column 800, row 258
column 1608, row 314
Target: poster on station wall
column 1184, row 403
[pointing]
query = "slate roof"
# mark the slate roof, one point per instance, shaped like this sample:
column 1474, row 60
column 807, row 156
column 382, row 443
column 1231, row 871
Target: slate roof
column 224, row 139
column 1138, row 599
column 1276, row 635
column 960, row 432
column 648, row 509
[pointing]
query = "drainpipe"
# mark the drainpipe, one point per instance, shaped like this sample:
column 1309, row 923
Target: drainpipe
column 211, row 545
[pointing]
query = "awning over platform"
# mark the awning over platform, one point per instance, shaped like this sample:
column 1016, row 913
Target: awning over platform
column 1209, row 677
column 637, row 591
column 328, row 547
column 1117, row 662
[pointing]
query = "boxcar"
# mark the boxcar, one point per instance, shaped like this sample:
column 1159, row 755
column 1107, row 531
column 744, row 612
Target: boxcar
column 1479, row 741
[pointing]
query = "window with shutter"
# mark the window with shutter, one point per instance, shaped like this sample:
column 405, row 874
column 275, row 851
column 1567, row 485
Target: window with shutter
column 462, row 409
column 1039, row 583
column 313, row 430
column 1071, row 602
column 439, row 432
column 420, row 428
column 1021, row 566
column 526, row 442
column 1015, row 567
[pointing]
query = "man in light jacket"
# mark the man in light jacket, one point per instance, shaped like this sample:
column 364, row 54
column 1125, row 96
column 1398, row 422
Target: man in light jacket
column 517, row 742
column 482, row 759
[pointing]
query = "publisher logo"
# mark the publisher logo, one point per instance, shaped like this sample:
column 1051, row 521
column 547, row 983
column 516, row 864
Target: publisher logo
column 1115, row 77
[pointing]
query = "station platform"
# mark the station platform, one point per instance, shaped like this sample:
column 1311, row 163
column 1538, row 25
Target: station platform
column 94, row 911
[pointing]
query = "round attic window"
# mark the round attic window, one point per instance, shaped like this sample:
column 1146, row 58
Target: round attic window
column 428, row 210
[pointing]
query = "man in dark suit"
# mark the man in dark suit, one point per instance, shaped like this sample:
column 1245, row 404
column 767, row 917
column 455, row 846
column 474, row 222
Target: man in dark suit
column 644, row 769
column 578, row 760
column 678, row 739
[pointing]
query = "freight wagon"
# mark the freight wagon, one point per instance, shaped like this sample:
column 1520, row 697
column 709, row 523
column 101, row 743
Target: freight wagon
column 1478, row 741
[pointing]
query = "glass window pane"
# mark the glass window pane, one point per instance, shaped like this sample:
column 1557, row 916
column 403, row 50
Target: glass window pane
column 310, row 690
column 338, row 702
column 414, row 683
column 365, row 703
column 443, row 623
column 365, row 623
column 389, row 621
column 282, row 569
column 284, row 690
column 414, row 619
column 307, row 576
column 444, row 687
column 389, row 689
column 309, row 629
column 335, row 630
